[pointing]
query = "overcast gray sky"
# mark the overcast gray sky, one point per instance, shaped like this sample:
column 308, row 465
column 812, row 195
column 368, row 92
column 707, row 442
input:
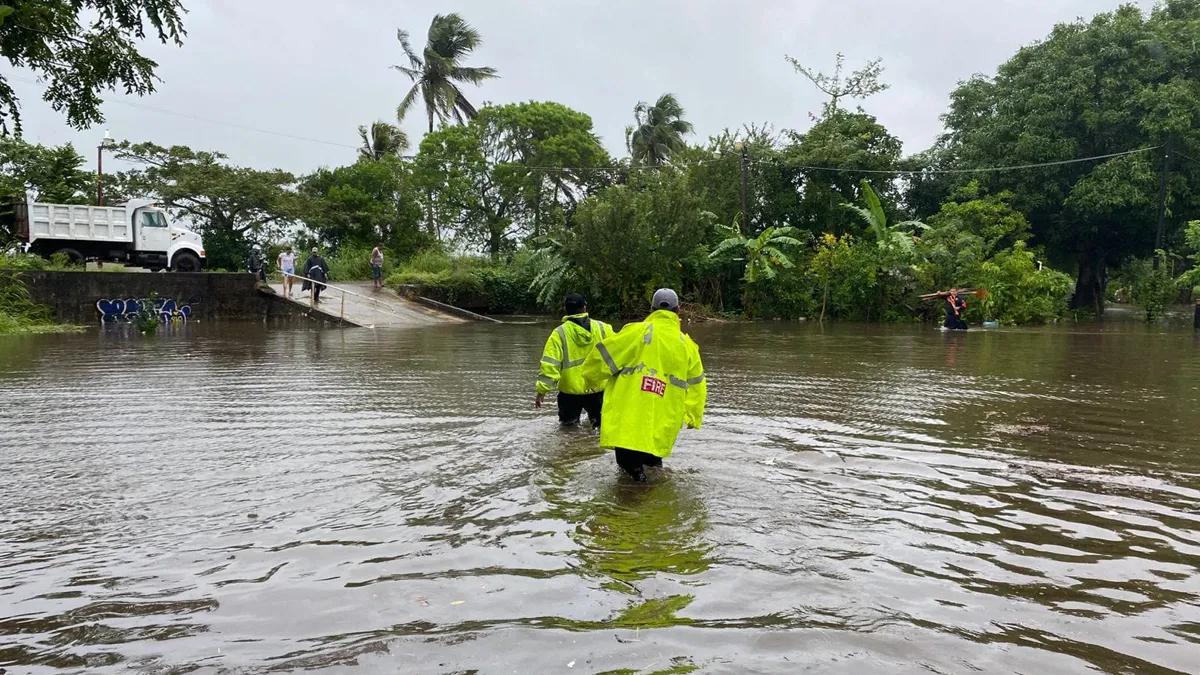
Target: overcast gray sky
column 319, row 68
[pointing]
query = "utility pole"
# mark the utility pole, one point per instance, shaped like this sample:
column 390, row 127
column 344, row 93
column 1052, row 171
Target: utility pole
column 1162, row 199
column 108, row 141
column 99, row 175
column 741, row 147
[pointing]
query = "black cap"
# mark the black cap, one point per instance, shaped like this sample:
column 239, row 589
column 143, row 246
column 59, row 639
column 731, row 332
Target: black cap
column 575, row 303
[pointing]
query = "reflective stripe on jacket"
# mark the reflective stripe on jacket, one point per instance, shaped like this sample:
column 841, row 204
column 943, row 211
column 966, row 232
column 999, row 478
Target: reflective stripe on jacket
column 565, row 351
column 655, row 384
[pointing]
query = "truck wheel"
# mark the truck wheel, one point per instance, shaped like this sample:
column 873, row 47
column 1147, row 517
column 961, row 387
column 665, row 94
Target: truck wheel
column 186, row 261
column 74, row 258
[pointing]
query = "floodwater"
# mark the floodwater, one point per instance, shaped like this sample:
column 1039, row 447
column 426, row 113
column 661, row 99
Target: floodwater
column 230, row 498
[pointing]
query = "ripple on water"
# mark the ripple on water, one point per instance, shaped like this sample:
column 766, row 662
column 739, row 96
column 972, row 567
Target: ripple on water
column 226, row 498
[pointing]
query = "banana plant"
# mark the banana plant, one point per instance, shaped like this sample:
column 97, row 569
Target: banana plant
column 764, row 255
column 898, row 236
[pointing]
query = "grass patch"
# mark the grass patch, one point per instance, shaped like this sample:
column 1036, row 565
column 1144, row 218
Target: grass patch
column 20, row 314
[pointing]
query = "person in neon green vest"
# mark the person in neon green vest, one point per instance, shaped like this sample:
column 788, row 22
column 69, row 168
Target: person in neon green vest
column 654, row 385
column 562, row 360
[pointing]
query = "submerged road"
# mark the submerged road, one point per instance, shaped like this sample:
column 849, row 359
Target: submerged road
column 237, row 499
column 367, row 307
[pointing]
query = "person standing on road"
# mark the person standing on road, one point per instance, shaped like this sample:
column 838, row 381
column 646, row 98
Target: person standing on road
column 562, row 358
column 654, row 384
column 317, row 269
column 377, row 266
column 287, row 265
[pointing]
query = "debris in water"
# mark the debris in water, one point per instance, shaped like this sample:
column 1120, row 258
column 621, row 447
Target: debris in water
column 252, row 515
column 458, row 602
column 571, row 664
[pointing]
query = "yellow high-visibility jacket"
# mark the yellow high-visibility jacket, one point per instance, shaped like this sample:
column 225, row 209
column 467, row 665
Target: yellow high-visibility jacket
column 565, row 351
column 654, row 383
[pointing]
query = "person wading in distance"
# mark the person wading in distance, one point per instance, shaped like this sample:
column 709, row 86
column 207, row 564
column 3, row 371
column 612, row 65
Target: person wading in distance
column 562, row 361
column 654, row 384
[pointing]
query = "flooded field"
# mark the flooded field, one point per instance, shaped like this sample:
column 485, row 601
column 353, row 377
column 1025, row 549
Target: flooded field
column 227, row 498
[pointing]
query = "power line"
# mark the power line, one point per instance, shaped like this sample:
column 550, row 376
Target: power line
column 632, row 167
column 198, row 118
column 1017, row 167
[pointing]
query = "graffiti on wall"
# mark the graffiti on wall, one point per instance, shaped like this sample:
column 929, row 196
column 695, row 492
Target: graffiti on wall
column 128, row 310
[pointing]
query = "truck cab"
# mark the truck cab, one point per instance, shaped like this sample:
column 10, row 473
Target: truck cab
column 160, row 244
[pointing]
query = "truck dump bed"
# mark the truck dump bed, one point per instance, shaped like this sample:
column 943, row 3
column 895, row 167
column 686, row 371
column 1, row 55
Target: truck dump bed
column 86, row 223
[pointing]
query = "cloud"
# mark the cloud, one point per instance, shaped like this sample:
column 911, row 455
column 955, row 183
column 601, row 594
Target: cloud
column 316, row 70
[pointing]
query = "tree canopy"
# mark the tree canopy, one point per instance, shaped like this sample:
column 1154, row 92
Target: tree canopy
column 80, row 48
column 230, row 205
column 1120, row 82
column 514, row 171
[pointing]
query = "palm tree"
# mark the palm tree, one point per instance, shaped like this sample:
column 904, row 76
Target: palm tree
column 437, row 72
column 381, row 140
column 887, row 236
column 659, row 131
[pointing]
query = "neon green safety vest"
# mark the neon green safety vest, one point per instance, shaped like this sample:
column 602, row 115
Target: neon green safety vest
column 565, row 351
column 655, row 384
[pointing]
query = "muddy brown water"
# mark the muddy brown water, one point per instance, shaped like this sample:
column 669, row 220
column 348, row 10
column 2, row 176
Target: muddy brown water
column 230, row 498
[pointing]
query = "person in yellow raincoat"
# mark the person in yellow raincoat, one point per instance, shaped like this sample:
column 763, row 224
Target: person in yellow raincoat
column 562, row 364
column 654, row 385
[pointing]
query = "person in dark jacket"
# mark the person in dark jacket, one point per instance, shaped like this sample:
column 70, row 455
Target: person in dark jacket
column 254, row 263
column 955, row 306
column 317, row 269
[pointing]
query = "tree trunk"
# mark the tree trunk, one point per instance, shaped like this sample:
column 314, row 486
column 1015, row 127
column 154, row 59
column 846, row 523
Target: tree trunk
column 1090, row 284
column 430, row 221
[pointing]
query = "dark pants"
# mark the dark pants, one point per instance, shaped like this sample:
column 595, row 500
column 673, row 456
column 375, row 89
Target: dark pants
column 633, row 462
column 570, row 406
column 316, row 292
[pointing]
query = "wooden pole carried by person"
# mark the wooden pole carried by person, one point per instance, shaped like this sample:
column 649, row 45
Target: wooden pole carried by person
column 980, row 293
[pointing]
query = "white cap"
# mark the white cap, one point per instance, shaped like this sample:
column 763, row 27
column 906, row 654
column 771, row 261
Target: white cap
column 665, row 298
column 256, row 247
column 314, row 249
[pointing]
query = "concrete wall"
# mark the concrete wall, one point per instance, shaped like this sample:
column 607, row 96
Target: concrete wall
column 72, row 296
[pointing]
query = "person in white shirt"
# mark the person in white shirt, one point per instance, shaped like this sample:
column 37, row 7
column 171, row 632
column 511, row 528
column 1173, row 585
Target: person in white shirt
column 377, row 266
column 287, row 265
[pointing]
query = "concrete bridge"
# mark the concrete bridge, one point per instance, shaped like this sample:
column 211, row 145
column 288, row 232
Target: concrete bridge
column 88, row 297
column 358, row 303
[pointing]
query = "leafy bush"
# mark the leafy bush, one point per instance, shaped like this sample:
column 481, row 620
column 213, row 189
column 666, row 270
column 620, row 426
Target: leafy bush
column 507, row 289
column 429, row 260
column 1151, row 290
column 454, row 287
column 353, row 263
column 1019, row 292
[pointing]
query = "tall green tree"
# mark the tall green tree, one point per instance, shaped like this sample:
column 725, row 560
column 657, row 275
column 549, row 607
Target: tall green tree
column 365, row 203
column 53, row 174
column 381, row 140
column 714, row 172
column 627, row 240
column 81, row 47
column 513, row 172
column 439, row 70
column 231, row 206
column 658, row 131
column 831, row 160
column 1122, row 81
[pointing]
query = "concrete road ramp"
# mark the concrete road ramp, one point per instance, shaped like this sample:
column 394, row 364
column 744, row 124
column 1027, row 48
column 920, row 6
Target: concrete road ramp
column 359, row 304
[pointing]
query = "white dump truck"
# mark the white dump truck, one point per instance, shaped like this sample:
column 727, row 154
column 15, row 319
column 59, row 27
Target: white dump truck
column 137, row 233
